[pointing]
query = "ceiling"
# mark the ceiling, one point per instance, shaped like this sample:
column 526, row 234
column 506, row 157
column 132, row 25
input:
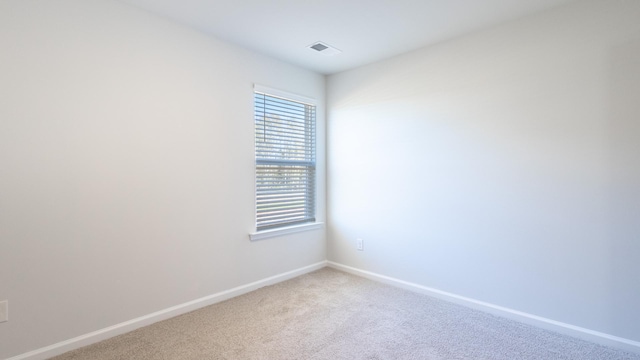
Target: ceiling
column 365, row 30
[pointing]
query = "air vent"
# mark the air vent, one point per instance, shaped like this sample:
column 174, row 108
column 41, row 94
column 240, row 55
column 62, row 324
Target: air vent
column 319, row 47
column 324, row 49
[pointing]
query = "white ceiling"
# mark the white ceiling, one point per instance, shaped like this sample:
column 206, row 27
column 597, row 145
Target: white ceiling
column 365, row 30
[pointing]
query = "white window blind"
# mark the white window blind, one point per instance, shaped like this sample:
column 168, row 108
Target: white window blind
column 285, row 161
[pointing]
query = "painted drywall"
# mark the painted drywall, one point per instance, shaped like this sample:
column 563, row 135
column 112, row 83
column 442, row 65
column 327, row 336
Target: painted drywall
column 126, row 168
column 502, row 166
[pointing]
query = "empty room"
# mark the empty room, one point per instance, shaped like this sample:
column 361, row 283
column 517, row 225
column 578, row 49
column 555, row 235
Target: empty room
column 319, row 179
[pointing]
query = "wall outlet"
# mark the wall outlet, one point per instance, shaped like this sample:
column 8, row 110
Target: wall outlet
column 359, row 245
column 4, row 311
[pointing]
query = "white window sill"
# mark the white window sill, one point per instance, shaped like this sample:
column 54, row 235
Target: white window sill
column 265, row 234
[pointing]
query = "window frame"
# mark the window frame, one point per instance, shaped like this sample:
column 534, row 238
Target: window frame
column 285, row 228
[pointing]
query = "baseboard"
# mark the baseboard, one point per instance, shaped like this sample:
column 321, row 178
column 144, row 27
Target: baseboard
column 103, row 334
column 127, row 326
column 538, row 321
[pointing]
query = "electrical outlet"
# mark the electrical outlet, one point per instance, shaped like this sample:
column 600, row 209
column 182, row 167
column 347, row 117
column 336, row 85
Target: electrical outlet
column 4, row 311
column 359, row 245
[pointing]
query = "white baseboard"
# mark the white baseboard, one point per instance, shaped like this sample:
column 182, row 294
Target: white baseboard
column 538, row 321
column 103, row 334
column 127, row 326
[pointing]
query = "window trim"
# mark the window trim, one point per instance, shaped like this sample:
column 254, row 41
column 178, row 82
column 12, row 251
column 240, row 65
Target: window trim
column 286, row 229
column 269, row 233
column 285, row 95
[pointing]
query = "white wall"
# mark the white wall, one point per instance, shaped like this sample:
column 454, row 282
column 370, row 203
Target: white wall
column 126, row 168
column 503, row 166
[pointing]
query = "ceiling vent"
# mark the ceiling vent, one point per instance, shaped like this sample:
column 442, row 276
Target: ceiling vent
column 324, row 49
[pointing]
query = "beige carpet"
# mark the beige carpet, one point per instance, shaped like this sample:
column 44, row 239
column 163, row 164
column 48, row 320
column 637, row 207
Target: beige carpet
column 332, row 315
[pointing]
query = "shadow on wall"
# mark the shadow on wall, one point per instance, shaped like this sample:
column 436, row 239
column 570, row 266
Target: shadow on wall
column 624, row 189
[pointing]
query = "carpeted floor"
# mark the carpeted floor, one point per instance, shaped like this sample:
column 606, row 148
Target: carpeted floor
column 329, row 314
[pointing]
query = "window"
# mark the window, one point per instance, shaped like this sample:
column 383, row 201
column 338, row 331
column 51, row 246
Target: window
column 285, row 159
